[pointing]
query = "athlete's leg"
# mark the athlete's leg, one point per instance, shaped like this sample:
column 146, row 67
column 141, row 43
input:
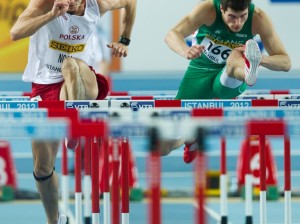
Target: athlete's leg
column 196, row 84
column 44, row 155
column 80, row 81
column 167, row 146
column 226, row 87
column 243, row 65
column 235, row 65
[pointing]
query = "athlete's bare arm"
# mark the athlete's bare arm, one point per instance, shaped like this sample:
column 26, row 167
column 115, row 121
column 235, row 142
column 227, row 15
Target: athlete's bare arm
column 128, row 12
column 128, row 8
column 37, row 14
column 203, row 13
column 277, row 58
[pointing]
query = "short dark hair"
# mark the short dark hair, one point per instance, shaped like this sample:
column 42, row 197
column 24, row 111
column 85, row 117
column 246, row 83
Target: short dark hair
column 236, row 5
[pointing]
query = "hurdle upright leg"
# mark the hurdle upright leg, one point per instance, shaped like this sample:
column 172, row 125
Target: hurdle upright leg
column 87, row 186
column 115, row 183
column 154, row 169
column 78, row 188
column 95, row 181
column 65, row 195
column 287, row 180
column 263, row 186
column 248, row 184
column 200, row 177
column 125, row 180
column 106, row 144
column 223, row 184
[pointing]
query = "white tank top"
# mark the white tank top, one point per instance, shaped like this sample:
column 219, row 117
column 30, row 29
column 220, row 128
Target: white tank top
column 65, row 36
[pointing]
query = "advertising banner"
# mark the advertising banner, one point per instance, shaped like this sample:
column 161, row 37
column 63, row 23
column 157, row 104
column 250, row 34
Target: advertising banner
column 13, row 55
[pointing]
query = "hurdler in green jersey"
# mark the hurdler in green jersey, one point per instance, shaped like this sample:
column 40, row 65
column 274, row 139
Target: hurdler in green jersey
column 219, row 41
column 223, row 27
column 225, row 59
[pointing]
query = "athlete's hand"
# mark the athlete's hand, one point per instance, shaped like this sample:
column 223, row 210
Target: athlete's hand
column 60, row 7
column 118, row 49
column 194, row 51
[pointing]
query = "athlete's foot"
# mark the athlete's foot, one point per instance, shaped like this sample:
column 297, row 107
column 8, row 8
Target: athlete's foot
column 252, row 61
column 71, row 143
column 190, row 152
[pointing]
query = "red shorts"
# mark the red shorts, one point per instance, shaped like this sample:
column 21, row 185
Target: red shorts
column 52, row 91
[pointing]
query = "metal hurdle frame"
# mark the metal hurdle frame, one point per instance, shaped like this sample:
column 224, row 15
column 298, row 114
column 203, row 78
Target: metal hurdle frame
column 287, row 187
column 56, row 109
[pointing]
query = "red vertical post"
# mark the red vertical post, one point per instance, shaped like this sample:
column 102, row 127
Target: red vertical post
column 115, row 183
column 95, row 175
column 287, row 164
column 105, row 170
column 64, row 169
column 223, row 156
column 262, row 159
column 154, row 168
column 200, row 185
column 200, row 177
column 78, row 166
column 125, row 175
column 87, row 156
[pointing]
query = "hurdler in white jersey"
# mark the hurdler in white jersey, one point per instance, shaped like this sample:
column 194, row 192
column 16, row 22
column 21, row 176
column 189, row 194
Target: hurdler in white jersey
column 61, row 53
column 65, row 36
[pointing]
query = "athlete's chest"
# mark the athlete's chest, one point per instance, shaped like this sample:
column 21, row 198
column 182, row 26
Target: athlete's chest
column 71, row 29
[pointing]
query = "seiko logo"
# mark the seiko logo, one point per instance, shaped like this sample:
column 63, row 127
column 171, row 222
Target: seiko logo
column 71, row 37
column 74, row 29
column 68, row 48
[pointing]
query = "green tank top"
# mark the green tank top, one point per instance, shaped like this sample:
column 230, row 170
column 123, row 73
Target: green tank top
column 219, row 41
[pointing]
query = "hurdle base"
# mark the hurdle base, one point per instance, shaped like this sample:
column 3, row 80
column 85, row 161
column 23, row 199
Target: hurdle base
column 224, row 220
column 272, row 193
column 87, row 220
column 7, row 193
column 249, row 220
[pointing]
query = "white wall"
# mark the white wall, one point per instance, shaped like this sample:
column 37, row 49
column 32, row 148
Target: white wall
column 148, row 51
column 286, row 19
column 154, row 18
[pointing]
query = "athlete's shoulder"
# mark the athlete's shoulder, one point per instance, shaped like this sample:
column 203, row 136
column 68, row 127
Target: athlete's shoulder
column 207, row 4
column 261, row 21
column 206, row 11
column 259, row 14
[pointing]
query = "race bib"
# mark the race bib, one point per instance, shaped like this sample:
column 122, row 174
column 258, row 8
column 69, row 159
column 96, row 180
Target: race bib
column 215, row 52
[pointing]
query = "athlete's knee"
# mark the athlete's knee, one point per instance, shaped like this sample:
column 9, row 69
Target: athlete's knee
column 233, row 62
column 41, row 175
column 69, row 64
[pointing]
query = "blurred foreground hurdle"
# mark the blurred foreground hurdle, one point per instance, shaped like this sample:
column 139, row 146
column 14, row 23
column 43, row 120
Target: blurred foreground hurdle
column 257, row 113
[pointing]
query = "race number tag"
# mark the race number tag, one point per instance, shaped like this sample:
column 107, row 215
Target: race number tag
column 215, row 52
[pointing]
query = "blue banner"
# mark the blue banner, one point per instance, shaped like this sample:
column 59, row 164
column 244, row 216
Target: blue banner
column 18, row 105
column 215, row 103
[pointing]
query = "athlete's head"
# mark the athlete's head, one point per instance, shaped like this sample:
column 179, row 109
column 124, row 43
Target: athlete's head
column 235, row 13
column 74, row 6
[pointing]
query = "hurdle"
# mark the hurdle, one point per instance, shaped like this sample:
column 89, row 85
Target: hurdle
column 77, row 128
column 270, row 113
column 272, row 101
column 139, row 127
